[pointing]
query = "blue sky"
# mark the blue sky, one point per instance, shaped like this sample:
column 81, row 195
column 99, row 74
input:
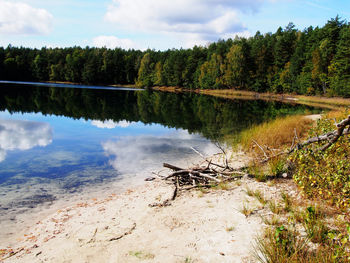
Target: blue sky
column 156, row 24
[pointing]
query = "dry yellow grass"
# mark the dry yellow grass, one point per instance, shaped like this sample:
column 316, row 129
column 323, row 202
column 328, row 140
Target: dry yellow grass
column 337, row 101
column 277, row 133
column 340, row 113
column 316, row 101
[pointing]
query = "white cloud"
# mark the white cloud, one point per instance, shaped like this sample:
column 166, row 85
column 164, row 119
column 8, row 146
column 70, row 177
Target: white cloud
column 2, row 155
column 113, row 42
column 144, row 154
column 195, row 21
column 110, row 124
column 23, row 135
column 21, row 18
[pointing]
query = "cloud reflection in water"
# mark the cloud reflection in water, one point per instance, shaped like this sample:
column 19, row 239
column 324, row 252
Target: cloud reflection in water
column 110, row 124
column 143, row 154
column 23, row 135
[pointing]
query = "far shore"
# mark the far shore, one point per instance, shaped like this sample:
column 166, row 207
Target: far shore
column 315, row 101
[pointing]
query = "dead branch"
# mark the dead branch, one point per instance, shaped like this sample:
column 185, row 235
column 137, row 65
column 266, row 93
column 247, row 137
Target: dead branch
column 210, row 177
column 124, row 234
column 331, row 137
column 217, row 144
column 261, row 148
column 172, row 167
column 339, row 132
column 206, row 159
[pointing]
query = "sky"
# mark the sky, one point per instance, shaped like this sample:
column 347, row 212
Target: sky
column 154, row 24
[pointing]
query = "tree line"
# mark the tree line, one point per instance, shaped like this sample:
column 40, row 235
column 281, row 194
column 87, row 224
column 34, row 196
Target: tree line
column 314, row 61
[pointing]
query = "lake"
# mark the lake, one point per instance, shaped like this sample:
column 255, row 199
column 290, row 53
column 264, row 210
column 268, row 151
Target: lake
column 61, row 143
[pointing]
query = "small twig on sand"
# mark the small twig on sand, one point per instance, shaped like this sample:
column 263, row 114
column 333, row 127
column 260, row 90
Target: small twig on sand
column 124, row 234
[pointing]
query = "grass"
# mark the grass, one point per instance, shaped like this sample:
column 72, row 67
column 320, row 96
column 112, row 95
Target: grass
column 230, row 228
column 258, row 172
column 222, row 186
column 330, row 102
column 287, row 201
column 276, row 134
column 259, row 196
column 274, row 207
column 141, row 255
column 249, row 191
column 307, row 237
column 272, row 221
column 246, row 210
column 314, row 226
column 188, row 260
column 336, row 101
column 268, row 140
column 281, row 244
column 238, row 183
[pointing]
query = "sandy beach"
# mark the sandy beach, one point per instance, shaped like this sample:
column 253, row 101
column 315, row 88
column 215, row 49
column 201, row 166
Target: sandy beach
column 197, row 227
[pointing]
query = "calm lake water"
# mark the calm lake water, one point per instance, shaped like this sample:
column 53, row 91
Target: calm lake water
column 62, row 142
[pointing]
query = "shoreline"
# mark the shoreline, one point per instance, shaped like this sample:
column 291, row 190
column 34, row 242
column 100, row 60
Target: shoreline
column 201, row 226
column 315, row 101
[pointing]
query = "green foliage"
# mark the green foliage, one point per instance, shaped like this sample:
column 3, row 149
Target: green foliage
column 258, row 172
column 340, row 66
column 325, row 174
column 212, row 72
column 281, row 245
column 277, row 166
column 315, row 229
column 312, row 61
column 236, row 67
column 144, row 75
column 287, row 201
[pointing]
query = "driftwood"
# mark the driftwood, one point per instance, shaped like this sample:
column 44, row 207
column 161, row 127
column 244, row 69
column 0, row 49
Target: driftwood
column 200, row 176
column 203, row 176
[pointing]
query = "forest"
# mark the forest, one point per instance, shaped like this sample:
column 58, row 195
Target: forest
column 314, row 61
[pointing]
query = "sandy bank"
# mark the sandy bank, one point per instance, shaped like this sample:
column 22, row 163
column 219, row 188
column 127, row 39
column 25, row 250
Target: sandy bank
column 196, row 227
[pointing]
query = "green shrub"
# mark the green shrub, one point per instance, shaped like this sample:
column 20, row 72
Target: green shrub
column 325, row 174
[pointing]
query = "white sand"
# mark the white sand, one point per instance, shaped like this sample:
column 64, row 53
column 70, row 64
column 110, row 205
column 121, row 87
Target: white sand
column 196, row 227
